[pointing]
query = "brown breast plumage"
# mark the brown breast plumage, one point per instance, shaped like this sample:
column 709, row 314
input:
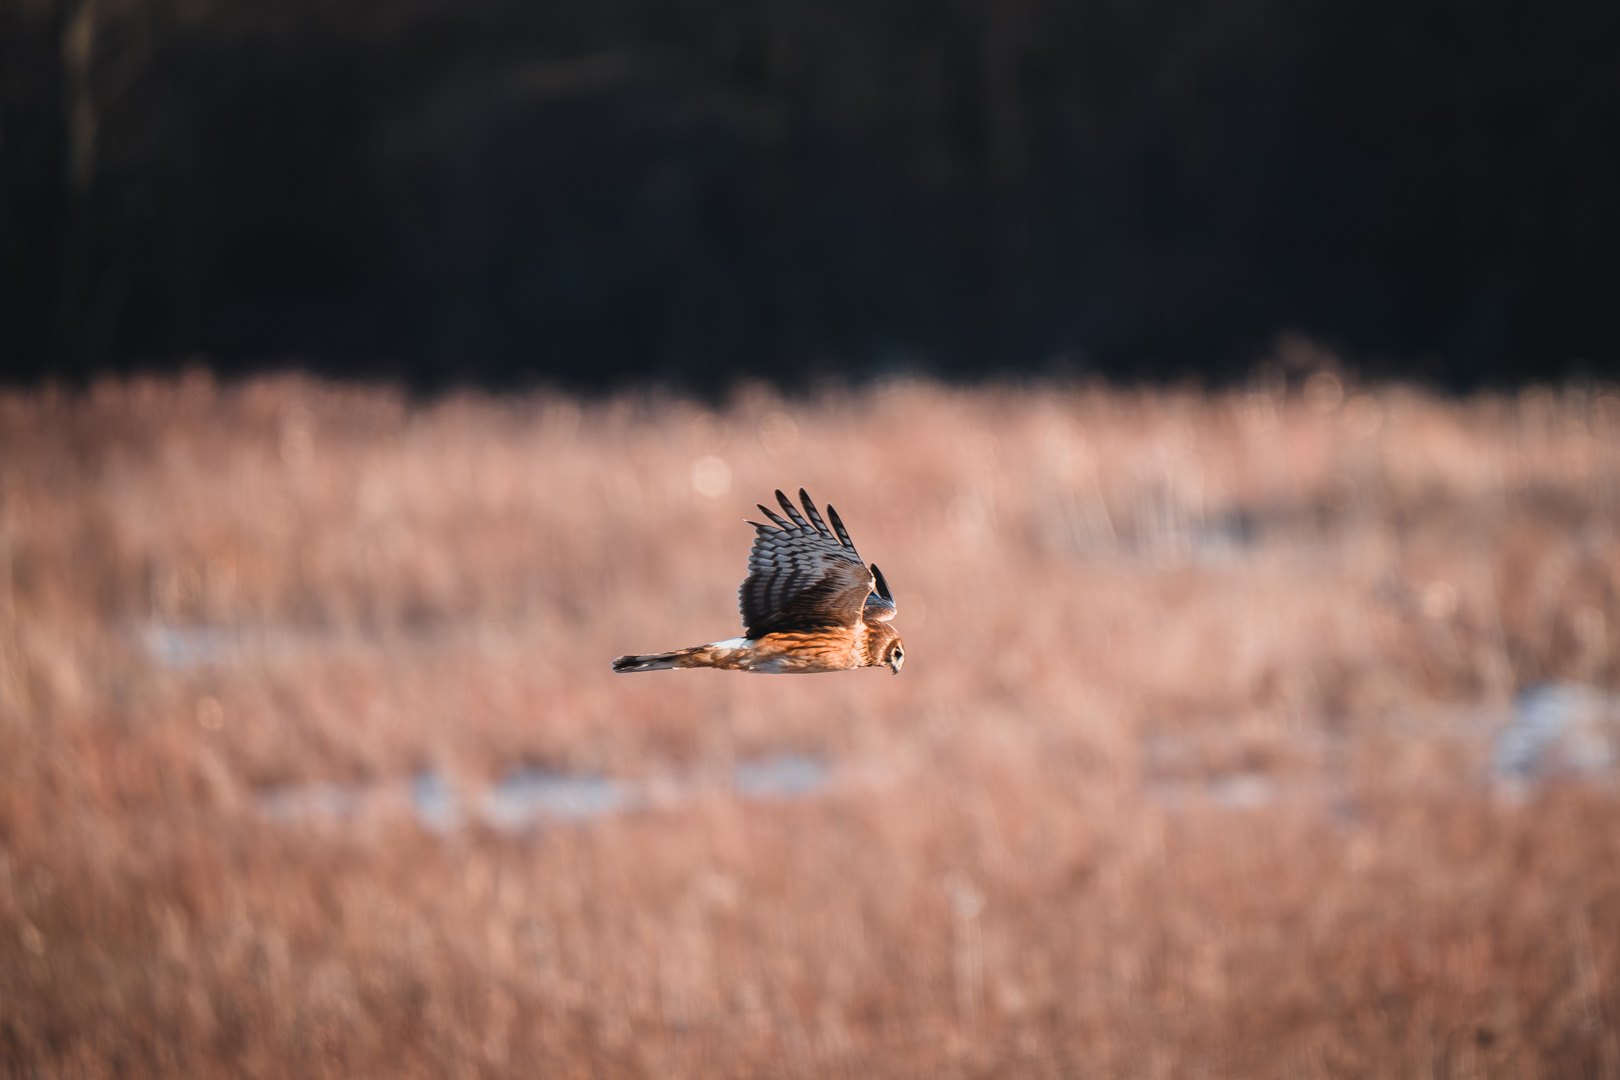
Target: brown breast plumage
column 833, row 649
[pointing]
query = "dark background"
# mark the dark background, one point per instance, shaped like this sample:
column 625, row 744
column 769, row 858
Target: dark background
column 505, row 191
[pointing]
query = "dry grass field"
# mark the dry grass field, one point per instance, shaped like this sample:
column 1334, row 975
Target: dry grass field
column 1189, row 772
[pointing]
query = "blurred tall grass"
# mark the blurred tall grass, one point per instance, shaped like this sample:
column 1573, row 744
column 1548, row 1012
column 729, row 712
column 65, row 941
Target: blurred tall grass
column 1189, row 770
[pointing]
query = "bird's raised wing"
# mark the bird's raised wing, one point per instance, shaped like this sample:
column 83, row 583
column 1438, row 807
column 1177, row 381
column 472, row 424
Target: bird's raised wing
column 801, row 574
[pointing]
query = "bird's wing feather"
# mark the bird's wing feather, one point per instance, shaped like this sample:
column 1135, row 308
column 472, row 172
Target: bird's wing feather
column 801, row 574
column 880, row 605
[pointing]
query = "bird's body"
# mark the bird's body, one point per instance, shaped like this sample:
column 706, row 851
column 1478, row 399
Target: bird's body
column 777, row 654
column 809, row 604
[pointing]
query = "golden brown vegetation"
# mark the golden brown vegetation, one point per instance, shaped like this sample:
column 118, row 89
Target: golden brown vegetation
column 1187, row 773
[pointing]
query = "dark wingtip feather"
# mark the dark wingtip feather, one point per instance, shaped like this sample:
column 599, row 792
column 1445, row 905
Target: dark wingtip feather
column 815, row 515
column 792, row 511
column 882, row 586
column 838, row 526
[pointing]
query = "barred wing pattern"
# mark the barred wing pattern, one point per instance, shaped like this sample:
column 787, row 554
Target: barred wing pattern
column 803, row 575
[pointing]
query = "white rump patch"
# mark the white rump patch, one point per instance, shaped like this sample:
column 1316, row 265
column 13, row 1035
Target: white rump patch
column 732, row 643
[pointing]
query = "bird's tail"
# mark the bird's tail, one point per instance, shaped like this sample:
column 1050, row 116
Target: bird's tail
column 680, row 658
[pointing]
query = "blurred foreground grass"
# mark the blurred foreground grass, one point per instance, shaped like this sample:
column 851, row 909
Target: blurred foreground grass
column 1189, row 771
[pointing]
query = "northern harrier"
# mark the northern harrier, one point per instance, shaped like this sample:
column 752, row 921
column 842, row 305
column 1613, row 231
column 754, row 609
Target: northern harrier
column 809, row 604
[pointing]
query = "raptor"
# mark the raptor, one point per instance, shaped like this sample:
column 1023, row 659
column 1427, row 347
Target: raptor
column 809, row 604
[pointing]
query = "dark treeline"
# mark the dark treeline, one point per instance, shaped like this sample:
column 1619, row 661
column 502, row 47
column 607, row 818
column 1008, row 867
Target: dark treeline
column 502, row 190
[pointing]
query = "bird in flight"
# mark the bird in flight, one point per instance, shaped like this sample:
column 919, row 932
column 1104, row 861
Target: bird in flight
column 809, row 604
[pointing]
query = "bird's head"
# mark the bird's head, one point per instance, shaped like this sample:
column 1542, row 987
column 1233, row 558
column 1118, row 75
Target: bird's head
column 883, row 646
